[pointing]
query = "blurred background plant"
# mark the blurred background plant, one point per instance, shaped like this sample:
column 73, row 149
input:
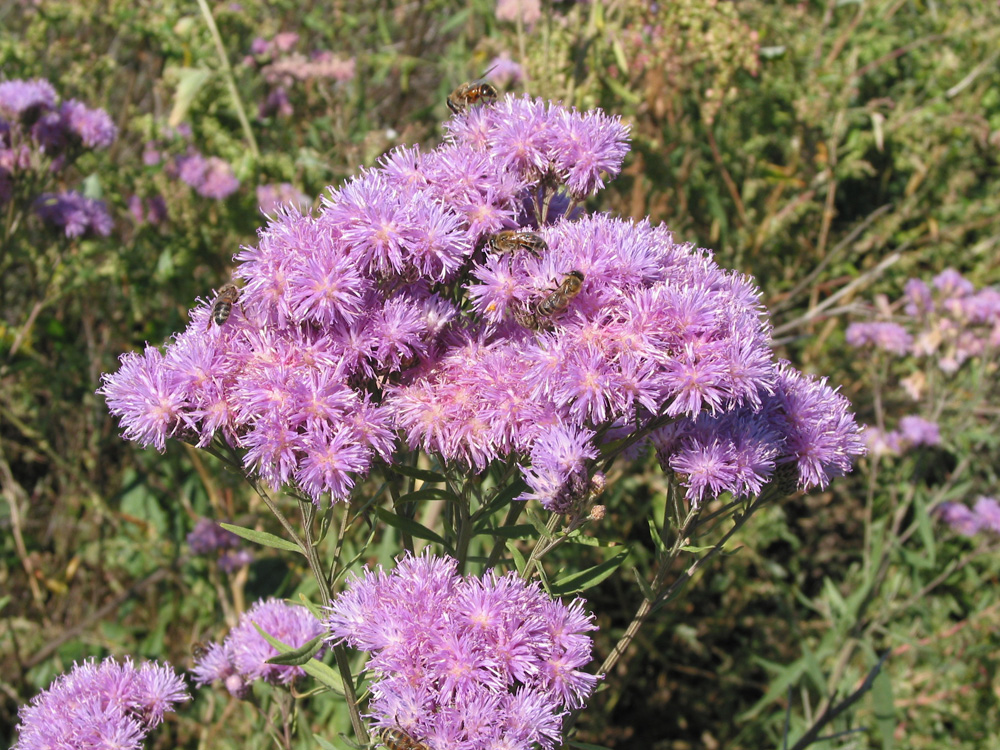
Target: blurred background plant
column 831, row 149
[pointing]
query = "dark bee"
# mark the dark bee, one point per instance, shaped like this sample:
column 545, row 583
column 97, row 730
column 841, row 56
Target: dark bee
column 512, row 240
column 396, row 739
column 199, row 649
column 470, row 94
column 228, row 296
column 559, row 300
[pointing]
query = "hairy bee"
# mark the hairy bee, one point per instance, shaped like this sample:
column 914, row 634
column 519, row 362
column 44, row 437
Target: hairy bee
column 396, row 739
column 559, row 300
column 512, row 240
column 222, row 308
column 470, row 94
column 199, row 649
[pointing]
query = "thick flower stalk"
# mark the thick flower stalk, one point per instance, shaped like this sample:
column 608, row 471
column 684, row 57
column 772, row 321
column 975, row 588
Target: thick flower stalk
column 453, row 301
column 106, row 706
column 490, row 662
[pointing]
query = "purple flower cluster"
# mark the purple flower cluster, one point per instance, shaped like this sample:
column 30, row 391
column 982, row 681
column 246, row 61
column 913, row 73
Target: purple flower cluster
column 948, row 320
column 282, row 68
column 271, row 197
column 74, row 213
column 984, row 516
column 802, row 423
column 242, row 657
column 37, row 132
column 392, row 312
column 913, row 432
column 210, row 177
column 208, row 537
column 106, row 706
column 466, row 662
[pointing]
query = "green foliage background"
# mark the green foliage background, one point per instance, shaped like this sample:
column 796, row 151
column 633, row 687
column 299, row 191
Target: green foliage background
column 832, row 150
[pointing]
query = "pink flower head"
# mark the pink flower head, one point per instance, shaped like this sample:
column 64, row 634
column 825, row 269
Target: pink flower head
column 465, row 661
column 105, row 705
column 244, row 652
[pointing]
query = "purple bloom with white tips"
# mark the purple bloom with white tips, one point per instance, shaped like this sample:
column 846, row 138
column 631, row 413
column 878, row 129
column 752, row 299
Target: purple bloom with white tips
column 100, row 705
column 465, row 661
column 242, row 657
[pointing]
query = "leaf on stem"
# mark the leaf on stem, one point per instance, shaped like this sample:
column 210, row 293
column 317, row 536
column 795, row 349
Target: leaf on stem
column 313, row 667
column 422, row 474
column 577, row 582
column 409, row 526
column 262, row 537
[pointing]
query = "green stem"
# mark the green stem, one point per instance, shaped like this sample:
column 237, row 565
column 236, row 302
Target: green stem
column 227, row 72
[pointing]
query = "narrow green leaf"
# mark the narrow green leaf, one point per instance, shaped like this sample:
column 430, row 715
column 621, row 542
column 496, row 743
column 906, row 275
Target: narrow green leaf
column 312, row 607
column 422, row 474
column 647, row 590
column 540, row 526
column 262, row 537
column 503, row 497
column 521, row 531
column 833, row 595
column 427, row 493
column 519, row 561
column 885, row 712
column 189, row 82
column 409, row 526
column 786, row 676
column 576, row 582
column 299, row 656
column 314, row 668
column 657, row 539
column 323, row 743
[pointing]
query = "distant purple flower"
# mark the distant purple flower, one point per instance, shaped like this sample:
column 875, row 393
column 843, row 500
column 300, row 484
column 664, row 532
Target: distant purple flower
column 960, row 518
column 919, row 431
column 74, row 213
column 890, row 337
column 151, row 211
column 285, row 41
column 93, row 127
column 244, row 652
column 26, row 100
column 211, row 177
column 218, row 181
column 528, row 11
column 987, row 511
column 269, row 197
column 105, row 705
column 465, row 661
column 952, row 284
column 151, row 155
column 504, row 71
column 882, row 443
column 232, row 561
column 207, row 536
column 259, row 46
column 276, row 103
